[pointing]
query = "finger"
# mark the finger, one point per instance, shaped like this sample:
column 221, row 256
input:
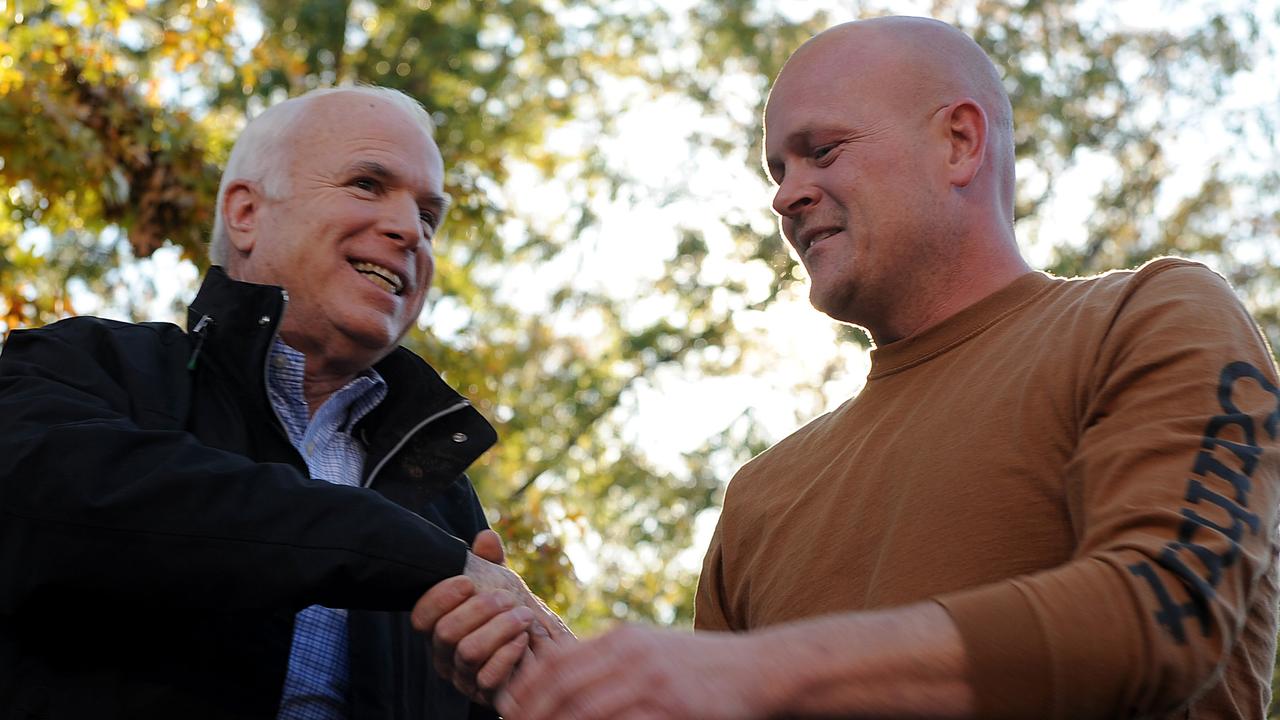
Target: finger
column 599, row 701
column 555, row 684
column 439, row 601
column 576, row 679
column 504, row 702
column 497, row 670
column 480, row 645
column 501, row 665
column 462, row 621
column 488, row 545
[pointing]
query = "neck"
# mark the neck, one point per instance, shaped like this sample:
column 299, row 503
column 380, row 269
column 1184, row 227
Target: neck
column 965, row 281
column 317, row 390
column 325, row 373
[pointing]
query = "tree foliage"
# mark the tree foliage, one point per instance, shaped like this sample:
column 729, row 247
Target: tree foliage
column 116, row 114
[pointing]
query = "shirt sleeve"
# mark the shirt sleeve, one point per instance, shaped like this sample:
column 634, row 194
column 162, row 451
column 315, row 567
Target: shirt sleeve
column 1173, row 491
column 94, row 505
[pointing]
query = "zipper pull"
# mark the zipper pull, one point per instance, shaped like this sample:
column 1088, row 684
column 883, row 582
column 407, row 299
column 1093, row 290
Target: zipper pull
column 201, row 331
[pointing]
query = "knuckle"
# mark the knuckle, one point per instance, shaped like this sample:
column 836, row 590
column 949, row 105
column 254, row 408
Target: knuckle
column 469, row 653
column 488, row 679
column 447, row 633
column 492, row 603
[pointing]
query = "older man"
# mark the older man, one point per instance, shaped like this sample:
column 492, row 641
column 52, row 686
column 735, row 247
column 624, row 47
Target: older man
column 231, row 522
column 1053, row 498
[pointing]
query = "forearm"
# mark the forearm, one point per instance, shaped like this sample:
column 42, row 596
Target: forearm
column 903, row 662
column 138, row 516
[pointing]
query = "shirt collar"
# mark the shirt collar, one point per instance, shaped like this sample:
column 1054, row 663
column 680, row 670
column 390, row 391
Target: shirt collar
column 286, row 368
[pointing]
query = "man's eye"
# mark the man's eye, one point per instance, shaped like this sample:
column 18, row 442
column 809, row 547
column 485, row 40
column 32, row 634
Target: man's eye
column 823, row 151
column 366, row 184
column 428, row 220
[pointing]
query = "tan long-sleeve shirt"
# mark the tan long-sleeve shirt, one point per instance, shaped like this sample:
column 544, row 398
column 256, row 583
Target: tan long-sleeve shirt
column 1084, row 473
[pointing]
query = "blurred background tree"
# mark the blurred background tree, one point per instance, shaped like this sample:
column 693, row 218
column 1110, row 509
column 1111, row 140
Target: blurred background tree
column 609, row 258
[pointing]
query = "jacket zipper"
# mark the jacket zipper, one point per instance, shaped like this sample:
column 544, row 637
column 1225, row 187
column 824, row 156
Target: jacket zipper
column 266, row 363
column 414, row 431
column 201, row 331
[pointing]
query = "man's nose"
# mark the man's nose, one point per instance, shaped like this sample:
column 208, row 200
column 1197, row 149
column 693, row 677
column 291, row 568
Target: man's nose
column 795, row 195
column 400, row 220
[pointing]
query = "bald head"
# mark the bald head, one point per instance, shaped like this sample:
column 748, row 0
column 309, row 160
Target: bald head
column 891, row 143
column 929, row 56
column 913, row 65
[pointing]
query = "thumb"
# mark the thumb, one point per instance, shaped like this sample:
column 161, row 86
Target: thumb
column 488, row 545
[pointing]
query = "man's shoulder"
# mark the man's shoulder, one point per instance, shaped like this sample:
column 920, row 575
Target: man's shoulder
column 139, row 369
column 1166, row 286
column 1161, row 275
column 88, row 328
column 812, row 437
column 116, row 346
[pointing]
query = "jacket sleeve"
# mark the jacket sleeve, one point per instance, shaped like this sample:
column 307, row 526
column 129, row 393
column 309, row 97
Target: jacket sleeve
column 1173, row 491
column 95, row 506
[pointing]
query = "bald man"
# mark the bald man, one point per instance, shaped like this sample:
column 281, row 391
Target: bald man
column 1053, row 498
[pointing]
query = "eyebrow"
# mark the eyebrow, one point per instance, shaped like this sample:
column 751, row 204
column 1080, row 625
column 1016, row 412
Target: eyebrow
column 436, row 201
column 774, row 167
column 800, row 138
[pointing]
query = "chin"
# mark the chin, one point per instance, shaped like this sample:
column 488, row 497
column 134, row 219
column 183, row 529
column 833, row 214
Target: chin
column 836, row 305
column 370, row 338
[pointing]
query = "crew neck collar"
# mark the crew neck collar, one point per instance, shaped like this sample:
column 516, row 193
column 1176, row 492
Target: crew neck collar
column 960, row 327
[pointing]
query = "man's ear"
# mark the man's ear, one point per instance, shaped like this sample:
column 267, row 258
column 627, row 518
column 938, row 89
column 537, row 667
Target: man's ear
column 965, row 124
column 241, row 206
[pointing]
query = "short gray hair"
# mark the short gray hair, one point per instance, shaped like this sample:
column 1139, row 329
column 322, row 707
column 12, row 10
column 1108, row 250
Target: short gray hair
column 257, row 154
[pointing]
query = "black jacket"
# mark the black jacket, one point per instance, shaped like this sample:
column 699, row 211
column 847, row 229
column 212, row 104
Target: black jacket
column 158, row 531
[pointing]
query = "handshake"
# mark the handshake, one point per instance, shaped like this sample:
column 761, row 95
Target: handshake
column 486, row 624
column 500, row 645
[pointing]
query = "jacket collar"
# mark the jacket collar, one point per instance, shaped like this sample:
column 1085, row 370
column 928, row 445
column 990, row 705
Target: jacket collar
column 233, row 324
column 243, row 321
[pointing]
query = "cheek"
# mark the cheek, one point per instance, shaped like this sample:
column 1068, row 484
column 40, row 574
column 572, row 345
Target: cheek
column 426, row 266
column 344, row 212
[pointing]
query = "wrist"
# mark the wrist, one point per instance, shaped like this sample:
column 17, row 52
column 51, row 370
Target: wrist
column 770, row 679
column 905, row 661
column 471, row 565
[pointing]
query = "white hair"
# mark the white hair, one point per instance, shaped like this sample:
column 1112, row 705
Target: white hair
column 258, row 154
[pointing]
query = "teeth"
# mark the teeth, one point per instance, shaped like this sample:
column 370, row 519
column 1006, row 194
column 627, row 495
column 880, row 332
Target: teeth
column 380, row 276
column 820, row 236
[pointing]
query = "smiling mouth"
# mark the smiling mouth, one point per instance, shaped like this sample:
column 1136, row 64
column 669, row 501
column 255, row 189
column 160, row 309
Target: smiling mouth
column 380, row 276
column 816, row 237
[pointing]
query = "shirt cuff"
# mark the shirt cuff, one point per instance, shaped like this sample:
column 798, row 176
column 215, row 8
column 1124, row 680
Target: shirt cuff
column 1006, row 650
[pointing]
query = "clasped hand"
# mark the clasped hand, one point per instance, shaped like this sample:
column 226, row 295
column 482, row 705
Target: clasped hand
column 485, row 622
column 502, row 646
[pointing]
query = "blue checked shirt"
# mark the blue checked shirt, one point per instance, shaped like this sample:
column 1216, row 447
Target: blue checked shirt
column 315, row 687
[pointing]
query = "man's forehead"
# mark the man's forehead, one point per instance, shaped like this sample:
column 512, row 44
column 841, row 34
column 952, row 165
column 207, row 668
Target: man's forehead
column 844, row 74
column 347, row 115
column 344, row 135
column 806, row 95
